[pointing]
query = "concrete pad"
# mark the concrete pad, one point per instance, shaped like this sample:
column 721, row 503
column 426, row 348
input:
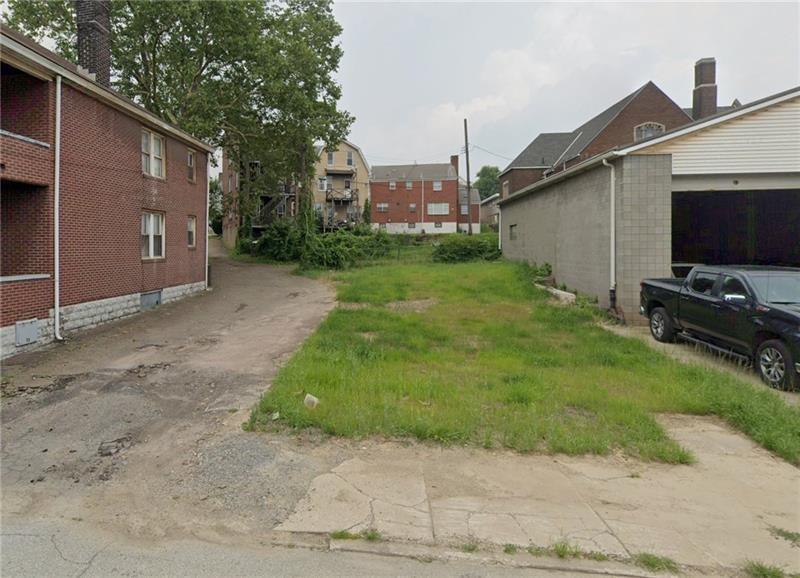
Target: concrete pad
column 451, row 525
column 402, row 522
column 331, row 504
column 497, row 529
column 391, row 479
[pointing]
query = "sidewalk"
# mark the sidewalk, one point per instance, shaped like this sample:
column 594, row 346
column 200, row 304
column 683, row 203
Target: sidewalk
column 712, row 515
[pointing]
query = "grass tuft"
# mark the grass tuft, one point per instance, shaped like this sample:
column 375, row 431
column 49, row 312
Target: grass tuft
column 792, row 537
column 755, row 569
column 655, row 563
column 371, row 535
column 563, row 549
column 469, row 547
column 510, row 549
column 344, row 535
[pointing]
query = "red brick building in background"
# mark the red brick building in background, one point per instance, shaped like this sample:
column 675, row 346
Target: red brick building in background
column 428, row 198
column 132, row 192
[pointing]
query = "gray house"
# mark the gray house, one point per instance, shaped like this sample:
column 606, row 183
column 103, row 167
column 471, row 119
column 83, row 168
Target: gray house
column 722, row 190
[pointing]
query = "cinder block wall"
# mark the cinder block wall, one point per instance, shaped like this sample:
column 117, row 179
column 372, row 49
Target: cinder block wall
column 644, row 226
column 567, row 225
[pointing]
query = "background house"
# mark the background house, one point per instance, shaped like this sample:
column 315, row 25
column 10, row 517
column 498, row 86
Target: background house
column 341, row 185
column 722, row 190
column 102, row 215
column 490, row 212
column 427, row 198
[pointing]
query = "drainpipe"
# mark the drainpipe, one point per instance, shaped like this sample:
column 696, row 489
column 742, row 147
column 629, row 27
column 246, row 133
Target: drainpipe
column 208, row 202
column 612, row 270
column 56, row 220
column 500, row 229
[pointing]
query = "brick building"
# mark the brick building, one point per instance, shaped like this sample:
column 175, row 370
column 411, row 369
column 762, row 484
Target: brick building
column 644, row 113
column 426, row 198
column 103, row 204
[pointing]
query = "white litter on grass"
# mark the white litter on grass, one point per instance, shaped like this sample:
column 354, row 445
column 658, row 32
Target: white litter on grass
column 310, row 401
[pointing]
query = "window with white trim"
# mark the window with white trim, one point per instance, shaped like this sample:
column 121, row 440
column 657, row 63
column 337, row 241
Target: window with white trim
column 392, row 185
column 348, row 184
column 382, row 207
column 505, row 189
column 191, row 173
column 152, row 154
column 191, row 231
column 647, row 130
column 409, row 185
column 438, row 208
column 322, row 184
column 437, row 225
column 437, row 185
column 412, row 225
column 330, row 159
column 349, row 158
column 465, row 209
column 152, row 236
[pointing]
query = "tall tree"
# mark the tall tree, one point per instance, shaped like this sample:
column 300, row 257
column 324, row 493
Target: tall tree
column 487, row 181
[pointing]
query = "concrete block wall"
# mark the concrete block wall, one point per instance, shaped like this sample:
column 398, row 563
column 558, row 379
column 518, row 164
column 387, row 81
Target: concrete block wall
column 169, row 294
column 644, row 226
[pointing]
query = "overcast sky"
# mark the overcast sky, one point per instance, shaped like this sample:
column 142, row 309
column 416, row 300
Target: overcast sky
column 412, row 71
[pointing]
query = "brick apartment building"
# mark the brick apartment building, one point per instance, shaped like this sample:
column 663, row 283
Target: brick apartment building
column 644, row 113
column 103, row 204
column 426, row 198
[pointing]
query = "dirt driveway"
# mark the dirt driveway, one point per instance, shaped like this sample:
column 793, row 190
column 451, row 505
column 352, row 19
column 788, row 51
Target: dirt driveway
column 137, row 425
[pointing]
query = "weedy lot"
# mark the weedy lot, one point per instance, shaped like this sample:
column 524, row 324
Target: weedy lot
column 473, row 353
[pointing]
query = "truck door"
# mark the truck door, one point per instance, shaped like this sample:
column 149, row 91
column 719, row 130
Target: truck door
column 733, row 316
column 699, row 304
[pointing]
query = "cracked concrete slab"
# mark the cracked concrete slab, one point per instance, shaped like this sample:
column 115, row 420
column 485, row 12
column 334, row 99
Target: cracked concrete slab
column 331, row 504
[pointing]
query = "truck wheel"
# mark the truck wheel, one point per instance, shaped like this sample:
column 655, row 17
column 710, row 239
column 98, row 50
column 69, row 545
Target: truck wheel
column 661, row 325
column 775, row 365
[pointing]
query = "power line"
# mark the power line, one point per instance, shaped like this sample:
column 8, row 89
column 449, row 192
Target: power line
column 490, row 152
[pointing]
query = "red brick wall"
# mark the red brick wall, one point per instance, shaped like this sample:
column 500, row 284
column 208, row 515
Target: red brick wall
column 519, row 179
column 25, row 109
column 25, row 300
column 27, row 232
column 25, row 162
column 400, row 198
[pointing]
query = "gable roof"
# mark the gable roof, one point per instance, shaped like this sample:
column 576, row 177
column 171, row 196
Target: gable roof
column 25, row 52
column 542, row 152
column 428, row 172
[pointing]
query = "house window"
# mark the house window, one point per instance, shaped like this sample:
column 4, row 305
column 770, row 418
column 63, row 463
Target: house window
column 409, row 185
column 647, row 130
column 512, row 232
column 438, row 208
column 382, row 226
column 412, row 225
column 152, row 235
column 465, row 209
column 330, row 159
column 348, row 184
column 412, row 207
column 322, row 185
column 152, row 154
column 505, row 189
column 437, row 185
column 191, row 231
column 382, row 207
column 349, row 158
column 437, row 225
column 392, row 185
column 191, row 174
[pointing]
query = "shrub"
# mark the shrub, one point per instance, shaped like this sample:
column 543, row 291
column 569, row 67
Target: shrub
column 343, row 249
column 282, row 240
column 458, row 248
column 244, row 245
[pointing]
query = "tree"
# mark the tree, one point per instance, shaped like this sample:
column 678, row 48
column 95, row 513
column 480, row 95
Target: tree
column 366, row 216
column 487, row 181
column 215, row 204
column 252, row 76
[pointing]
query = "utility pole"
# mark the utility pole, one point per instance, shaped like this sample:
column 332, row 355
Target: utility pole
column 469, row 191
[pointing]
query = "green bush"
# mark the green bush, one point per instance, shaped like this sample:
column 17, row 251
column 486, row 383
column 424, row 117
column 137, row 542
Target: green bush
column 343, row 249
column 244, row 245
column 458, row 248
column 281, row 240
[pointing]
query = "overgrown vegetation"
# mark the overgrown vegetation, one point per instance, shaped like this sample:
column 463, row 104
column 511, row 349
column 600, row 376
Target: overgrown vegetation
column 478, row 356
column 754, row 569
column 655, row 563
column 565, row 549
column 460, row 248
column 788, row 535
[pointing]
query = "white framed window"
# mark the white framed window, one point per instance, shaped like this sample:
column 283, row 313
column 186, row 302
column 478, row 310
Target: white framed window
column 330, row 159
column 465, row 209
column 152, row 236
column 191, row 173
column 409, row 185
column 505, row 189
column 349, row 158
column 392, row 185
column 382, row 207
column 647, row 130
column 322, row 183
column 412, row 225
column 438, row 208
column 437, row 185
column 191, row 231
column 152, row 154
column 437, row 225
column 412, row 207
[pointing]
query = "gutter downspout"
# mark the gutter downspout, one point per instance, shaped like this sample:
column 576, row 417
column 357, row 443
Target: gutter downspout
column 208, row 204
column 56, row 220
column 612, row 272
column 500, row 229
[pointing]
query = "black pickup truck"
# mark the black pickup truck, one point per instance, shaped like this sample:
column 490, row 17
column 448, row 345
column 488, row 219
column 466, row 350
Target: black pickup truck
column 748, row 312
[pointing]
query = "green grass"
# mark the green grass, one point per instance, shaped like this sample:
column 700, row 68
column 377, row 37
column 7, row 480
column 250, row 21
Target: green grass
column 344, row 535
column 655, row 563
column 509, row 549
column 491, row 363
column 563, row 549
column 761, row 570
column 792, row 537
column 469, row 547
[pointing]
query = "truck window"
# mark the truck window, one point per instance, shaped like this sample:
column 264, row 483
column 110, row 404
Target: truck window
column 732, row 286
column 704, row 282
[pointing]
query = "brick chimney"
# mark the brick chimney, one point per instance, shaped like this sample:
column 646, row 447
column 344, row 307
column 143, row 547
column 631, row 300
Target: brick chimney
column 94, row 39
column 704, row 97
column 454, row 162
